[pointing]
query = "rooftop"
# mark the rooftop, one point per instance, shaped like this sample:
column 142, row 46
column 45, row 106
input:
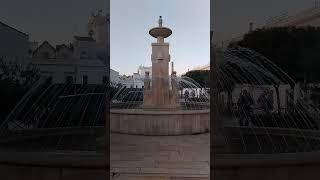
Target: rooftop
column 83, row 38
column 14, row 29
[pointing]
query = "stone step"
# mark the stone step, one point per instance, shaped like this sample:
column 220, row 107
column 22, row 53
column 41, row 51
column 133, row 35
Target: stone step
column 164, row 171
column 150, row 177
column 160, row 164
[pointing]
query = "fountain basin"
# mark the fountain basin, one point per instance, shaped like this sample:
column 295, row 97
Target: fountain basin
column 159, row 123
column 160, row 32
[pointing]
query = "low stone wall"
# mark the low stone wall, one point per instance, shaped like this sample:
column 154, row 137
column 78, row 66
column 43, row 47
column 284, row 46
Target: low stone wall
column 52, row 166
column 140, row 122
column 20, row 172
column 285, row 166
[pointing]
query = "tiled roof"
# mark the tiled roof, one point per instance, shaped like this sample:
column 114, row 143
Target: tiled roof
column 58, row 47
column 81, row 38
column 45, row 42
column 13, row 29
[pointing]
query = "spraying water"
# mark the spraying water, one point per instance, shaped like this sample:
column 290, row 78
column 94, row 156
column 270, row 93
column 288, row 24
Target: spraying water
column 270, row 121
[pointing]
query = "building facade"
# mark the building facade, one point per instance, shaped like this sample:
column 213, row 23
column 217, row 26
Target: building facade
column 134, row 81
column 114, row 76
column 205, row 67
column 14, row 44
column 84, row 61
column 79, row 63
column 143, row 69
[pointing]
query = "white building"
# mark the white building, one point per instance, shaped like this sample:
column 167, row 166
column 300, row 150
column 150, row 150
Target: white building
column 14, row 44
column 114, row 76
column 77, row 71
column 137, row 79
column 205, row 67
column 88, row 48
column 143, row 69
column 79, row 63
column 134, row 81
column 82, row 62
column 33, row 45
column 98, row 27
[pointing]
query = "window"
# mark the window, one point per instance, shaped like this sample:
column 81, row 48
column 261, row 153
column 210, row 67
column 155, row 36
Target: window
column 69, row 79
column 85, row 79
column 83, row 55
column 49, row 79
column 65, row 55
column 46, row 55
column 105, row 79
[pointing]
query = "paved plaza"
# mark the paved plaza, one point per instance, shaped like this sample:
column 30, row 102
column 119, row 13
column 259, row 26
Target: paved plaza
column 168, row 157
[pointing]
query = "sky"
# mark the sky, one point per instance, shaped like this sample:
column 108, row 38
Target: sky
column 59, row 20
column 131, row 43
column 54, row 20
column 231, row 18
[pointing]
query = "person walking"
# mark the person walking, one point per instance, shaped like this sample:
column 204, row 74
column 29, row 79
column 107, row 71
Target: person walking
column 186, row 95
column 245, row 102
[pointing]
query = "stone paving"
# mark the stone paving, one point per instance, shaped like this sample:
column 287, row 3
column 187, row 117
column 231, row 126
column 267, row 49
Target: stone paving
column 160, row 157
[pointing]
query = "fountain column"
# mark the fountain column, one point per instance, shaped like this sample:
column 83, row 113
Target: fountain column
column 160, row 94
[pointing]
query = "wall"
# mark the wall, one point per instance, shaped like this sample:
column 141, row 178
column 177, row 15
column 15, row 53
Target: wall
column 285, row 166
column 309, row 172
column 13, row 43
column 20, row 172
column 114, row 76
column 159, row 122
column 60, row 68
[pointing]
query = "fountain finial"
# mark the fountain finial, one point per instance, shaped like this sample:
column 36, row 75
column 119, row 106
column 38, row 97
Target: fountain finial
column 160, row 21
column 160, row 32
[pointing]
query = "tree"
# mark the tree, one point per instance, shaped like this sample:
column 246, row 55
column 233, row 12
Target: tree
column 293, row 49
column 201, row 77
column 15, row 81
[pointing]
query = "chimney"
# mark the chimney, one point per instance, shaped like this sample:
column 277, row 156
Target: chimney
column 250, row 27
column 172, row 70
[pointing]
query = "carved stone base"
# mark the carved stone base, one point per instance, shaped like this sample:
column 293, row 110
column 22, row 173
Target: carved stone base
column 161, row 107
column 159, row 123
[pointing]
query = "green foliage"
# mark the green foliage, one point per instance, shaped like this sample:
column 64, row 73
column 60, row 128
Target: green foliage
column 295, row 50
column 201, row 77
column 15, row 81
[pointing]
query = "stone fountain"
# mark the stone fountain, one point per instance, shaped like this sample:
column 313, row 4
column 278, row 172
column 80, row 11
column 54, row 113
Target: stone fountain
column 161, row 111
column 163, row 94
